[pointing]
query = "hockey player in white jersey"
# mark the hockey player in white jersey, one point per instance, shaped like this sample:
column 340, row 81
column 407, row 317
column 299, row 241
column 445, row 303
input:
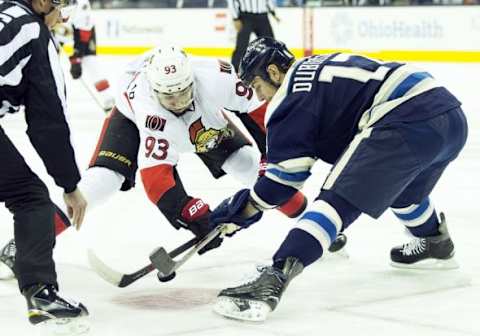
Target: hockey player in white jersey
column 167, row 104
column 83, row 62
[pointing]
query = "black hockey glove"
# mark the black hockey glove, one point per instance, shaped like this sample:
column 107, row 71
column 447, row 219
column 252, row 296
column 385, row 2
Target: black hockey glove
column 75, row 66
column 194, row 217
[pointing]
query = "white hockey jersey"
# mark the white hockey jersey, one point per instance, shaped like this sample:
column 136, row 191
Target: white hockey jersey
column 82, row 16
column 163, row 135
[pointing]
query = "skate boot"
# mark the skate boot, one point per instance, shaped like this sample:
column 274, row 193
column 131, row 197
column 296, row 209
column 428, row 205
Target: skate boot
column 254, row 300
column 7, row 261
column 434, row 252
column 59, row 316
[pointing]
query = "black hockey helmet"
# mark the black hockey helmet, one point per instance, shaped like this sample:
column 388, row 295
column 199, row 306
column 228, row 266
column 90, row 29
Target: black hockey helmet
column 260, row 53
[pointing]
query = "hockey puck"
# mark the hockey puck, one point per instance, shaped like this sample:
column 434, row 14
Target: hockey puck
column 166, row 278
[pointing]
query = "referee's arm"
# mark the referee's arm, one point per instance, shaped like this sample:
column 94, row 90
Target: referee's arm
column 234, row 8
column 28, row 79
column 44, row 100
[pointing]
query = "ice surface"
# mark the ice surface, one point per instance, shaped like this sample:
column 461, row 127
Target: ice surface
column 361, row 295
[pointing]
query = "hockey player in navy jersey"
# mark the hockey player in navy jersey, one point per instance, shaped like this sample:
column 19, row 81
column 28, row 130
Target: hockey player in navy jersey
column 388, row 129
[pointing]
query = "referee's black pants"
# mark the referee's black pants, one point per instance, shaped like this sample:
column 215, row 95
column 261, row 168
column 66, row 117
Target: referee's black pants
column 251, row 23
column 27, row 198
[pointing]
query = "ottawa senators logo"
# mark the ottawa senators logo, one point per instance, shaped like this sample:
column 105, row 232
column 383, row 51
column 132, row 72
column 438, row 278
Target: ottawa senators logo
column 155, row 123
column 207, row 139
column 225, row 67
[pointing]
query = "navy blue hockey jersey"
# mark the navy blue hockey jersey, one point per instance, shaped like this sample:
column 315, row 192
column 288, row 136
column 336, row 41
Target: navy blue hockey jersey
column 325, row 100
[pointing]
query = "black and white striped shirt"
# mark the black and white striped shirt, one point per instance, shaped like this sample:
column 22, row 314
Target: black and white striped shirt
column 250, row 6
column 31, row 76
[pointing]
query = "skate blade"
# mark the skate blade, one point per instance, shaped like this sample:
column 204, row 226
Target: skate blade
column 6, row 272
column 239, row 309
column 429, row 264
column 64, row 327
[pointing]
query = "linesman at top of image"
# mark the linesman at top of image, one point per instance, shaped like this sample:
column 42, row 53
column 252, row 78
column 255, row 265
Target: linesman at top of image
column 250, row 16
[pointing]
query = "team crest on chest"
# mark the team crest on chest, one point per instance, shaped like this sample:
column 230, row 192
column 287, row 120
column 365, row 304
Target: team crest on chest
column 155, row 123
column 207, row 139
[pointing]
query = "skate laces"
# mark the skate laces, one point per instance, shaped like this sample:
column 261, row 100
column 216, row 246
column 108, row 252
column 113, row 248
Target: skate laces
column 251, row 278
column 270, row 270
column 415, row 247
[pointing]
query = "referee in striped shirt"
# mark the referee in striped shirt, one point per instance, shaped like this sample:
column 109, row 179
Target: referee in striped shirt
column 31, row 77
column 250, row 16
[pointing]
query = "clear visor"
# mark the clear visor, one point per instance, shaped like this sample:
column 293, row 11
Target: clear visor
column 176, row 102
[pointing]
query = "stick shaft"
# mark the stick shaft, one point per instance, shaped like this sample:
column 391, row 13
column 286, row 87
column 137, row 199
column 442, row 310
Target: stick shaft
column 128, row 279
column 123, row 280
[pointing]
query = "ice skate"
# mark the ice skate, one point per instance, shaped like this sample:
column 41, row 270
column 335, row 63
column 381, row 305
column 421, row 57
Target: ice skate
column 7, row 261
column 54, row 314
column 436, row 252
column 254, row 300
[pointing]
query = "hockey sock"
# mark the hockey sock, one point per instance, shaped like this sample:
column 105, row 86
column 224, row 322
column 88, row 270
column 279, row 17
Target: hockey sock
column 420, row 219
column 315, row 231
column 299, row 244
column 347, row 211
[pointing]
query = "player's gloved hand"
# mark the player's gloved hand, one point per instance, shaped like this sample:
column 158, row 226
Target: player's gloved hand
column 75, row 66
column 195, row 215
column 231, row 211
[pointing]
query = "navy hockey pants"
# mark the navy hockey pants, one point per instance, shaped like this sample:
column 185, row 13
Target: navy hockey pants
column 397, row 164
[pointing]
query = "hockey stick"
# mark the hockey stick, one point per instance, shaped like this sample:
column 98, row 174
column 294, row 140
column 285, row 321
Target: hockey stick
column 88, row 85
column 164, row 262
column 123, row 280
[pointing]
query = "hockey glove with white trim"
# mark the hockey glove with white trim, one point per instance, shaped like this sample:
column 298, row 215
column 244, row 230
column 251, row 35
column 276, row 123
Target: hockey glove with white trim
column 231, row 211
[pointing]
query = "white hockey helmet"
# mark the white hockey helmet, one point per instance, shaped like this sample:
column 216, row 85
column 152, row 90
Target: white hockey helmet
column 170, row 75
